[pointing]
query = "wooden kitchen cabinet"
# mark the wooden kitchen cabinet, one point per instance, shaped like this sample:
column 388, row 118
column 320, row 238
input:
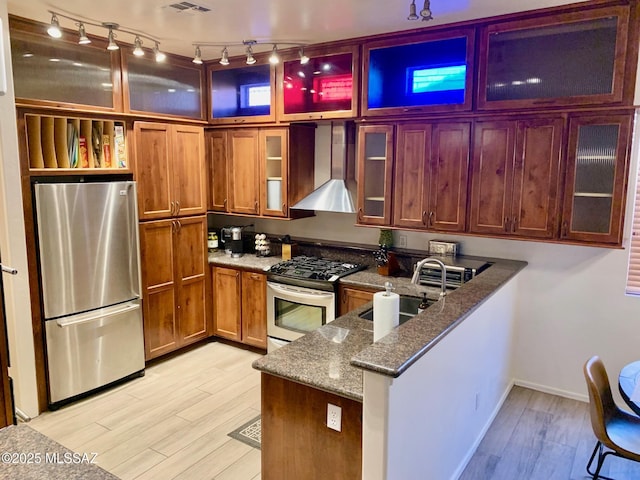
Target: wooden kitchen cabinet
column 351, row 298
column 375, row 170
column 170, row 170
column 595, row 182
column 261, row 171
column 240, row 306
column 430, row 178
column 515, row 177
column 174, row 262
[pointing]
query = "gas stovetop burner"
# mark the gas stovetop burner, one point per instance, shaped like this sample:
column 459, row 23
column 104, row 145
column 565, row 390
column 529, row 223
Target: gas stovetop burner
column 313, row 268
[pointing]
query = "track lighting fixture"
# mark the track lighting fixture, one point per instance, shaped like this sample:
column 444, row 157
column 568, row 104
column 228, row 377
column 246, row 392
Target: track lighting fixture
column 112, row 42
column 160, row 56
column 82, row 35
column 303, row 58
column 274, row 58
column 425, row 13
column 138, row 51
column 225, row 57
column 250, row 59
column 412, row 11
column 54, row 29
column 197, row 57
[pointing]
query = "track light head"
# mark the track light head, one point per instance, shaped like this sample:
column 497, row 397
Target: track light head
column 138, row 51
column 412, row 11
column 425, row 13
column 54, row 29
column 160, row 56
column 303, row 58
column 250, row 58
column 225, row 57
column 82, row 35
column 197, row 57
column 274, row 58
column 112, row 42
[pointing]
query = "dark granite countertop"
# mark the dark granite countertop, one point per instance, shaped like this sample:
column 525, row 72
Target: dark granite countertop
column 337, row 367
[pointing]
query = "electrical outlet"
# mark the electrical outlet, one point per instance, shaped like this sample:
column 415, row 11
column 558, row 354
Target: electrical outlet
column 402, row 241
column 334, row 417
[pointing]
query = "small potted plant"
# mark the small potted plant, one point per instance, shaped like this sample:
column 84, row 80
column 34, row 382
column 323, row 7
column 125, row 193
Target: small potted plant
column 386, row 260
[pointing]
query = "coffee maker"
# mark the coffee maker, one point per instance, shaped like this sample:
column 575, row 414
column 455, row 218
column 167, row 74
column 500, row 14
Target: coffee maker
column 236, row 242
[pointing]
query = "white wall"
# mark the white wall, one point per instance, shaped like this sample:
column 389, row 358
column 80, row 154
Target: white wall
column 427, row 423
column 12, row 244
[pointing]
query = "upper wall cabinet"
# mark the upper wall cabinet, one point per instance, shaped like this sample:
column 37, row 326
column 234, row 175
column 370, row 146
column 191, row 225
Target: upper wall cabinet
column 429, row 73
column 570, row 59
column 172, row 88
column 324, row 87
column 61, row 73
column 241, row 95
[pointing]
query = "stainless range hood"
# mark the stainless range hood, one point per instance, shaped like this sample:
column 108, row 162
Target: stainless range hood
column 333, row 195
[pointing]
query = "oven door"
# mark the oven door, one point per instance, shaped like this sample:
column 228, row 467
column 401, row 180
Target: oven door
column 294, row 311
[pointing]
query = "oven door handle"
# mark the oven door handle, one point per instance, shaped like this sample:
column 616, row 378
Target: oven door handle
column 299, row 293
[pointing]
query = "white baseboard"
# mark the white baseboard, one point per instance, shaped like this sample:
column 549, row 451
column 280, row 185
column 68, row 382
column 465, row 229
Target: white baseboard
column 552, row 391
column 483, row 432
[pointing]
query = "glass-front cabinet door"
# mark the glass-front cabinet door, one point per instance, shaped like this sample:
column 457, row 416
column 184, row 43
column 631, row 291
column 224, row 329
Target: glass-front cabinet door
column 375, row 167
column 241, row 95
column 577, row 58
column 595, row 180
column 424, row 73
column 273, row 171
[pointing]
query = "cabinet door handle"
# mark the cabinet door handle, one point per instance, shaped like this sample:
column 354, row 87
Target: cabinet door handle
column 506, row 224
column 179, row 226
column 284, row 207
column 431, row 218
column 564, row 229
column 255, row 207
column 424, row 217
column 177, row 207
column 514, row 224
column 173, row 226
column 224, row 204
column 360, row 214
column 173, row 206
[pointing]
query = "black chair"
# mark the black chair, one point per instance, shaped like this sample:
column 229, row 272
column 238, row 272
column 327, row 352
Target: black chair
column 616, row 430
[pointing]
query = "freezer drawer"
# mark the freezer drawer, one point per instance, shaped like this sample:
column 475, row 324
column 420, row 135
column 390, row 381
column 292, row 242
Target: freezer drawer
column 93, row 349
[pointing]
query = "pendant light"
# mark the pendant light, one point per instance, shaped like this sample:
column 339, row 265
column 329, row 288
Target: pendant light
column 412, row 11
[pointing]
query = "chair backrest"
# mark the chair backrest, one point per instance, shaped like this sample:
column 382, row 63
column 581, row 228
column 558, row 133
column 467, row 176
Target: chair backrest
column 601, row 404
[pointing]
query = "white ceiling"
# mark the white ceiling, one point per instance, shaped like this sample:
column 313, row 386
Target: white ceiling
column 230, row 21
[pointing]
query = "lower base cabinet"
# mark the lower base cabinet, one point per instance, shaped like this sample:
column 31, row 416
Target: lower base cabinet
column 240, row 306
column 351, row 298
column 296, row 442
column 174, row 263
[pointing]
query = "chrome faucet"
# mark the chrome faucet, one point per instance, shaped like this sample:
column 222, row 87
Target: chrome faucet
column 443, row 270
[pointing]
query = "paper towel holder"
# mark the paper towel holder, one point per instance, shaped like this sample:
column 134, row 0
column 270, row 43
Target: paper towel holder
column 388, row 288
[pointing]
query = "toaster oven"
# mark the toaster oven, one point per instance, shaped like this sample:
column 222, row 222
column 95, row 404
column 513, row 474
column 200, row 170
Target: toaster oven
column 459, row 271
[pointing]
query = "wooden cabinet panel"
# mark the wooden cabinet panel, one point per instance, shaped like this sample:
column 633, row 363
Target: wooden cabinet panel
column 449, row 177
column 352, row 298
column 244, row 172
column 216, row 143
column 490, row 187
column 227, row 303
column 296, row 443
column 536, row 178
column 189, row 170
column 411, row 177
column 254, row 309
column 153, row 170
column 273, row 171
column 158, row 277
column 174, row 262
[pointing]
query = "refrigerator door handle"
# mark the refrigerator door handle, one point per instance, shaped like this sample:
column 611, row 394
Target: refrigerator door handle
column 100, row 313
column 9, row 270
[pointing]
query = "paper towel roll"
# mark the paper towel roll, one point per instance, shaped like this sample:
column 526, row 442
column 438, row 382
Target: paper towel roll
column 386, row 313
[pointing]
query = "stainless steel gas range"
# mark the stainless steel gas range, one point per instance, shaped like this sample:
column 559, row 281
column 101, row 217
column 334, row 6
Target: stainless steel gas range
column 301, row 296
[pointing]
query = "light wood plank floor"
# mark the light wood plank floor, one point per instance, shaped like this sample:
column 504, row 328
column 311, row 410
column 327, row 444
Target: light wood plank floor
column 173, row 424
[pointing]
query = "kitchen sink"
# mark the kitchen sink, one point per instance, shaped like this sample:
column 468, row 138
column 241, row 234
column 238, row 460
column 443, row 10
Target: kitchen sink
column 408, row 308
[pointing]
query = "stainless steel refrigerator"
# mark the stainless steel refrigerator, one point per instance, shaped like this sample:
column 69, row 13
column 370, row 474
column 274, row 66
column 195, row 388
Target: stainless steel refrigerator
column 89, row 262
